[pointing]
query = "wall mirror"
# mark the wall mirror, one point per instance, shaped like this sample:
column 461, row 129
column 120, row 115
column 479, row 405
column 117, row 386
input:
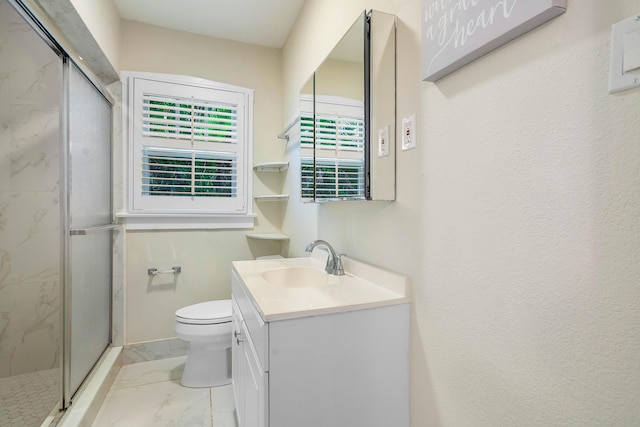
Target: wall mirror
column 347, row 117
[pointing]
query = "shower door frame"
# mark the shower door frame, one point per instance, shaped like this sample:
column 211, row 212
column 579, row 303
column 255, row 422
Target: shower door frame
column 68, row 389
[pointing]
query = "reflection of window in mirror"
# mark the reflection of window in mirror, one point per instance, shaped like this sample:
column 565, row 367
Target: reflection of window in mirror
column 349, row 100
column 307, row 188
column 339, row 148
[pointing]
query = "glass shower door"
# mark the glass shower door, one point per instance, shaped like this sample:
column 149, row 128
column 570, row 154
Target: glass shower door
column 89, row 262
column 30, row 236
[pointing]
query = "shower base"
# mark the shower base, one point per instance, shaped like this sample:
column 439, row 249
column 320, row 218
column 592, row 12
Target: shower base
column 26, row 400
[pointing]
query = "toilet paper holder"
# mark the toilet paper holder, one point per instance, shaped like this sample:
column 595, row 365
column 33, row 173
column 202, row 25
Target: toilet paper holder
column 154, row 271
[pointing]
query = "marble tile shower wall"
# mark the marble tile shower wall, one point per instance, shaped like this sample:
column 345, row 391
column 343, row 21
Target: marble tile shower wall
column 30, row 76
column 117, row 333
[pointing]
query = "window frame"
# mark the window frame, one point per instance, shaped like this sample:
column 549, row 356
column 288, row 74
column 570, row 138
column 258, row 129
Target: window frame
column 201, row 212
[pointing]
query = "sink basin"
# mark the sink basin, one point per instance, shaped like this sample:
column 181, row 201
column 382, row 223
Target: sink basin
column 298, row 287
column 298, row 277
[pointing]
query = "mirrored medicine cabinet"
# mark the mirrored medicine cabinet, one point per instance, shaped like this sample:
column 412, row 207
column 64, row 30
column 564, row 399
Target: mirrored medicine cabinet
column 347, row 116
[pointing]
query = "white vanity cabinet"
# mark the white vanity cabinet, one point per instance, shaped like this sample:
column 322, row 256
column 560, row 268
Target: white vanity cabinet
column 348, row 368
column 249, row 378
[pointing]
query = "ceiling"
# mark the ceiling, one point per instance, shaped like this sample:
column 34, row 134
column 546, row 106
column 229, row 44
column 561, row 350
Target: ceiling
column 260, row 22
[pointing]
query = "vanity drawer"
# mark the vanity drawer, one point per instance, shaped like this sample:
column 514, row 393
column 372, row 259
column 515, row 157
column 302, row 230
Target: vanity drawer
column 258, row 330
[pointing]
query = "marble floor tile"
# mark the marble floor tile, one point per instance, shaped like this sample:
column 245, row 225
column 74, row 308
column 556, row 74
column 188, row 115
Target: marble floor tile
column 163, row 404
column 222, row 399
column 154, row 371
column 224, row 419
column 149, row 394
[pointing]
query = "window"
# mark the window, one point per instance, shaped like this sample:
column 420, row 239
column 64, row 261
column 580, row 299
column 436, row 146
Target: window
column 189, row 152
column 336, row 163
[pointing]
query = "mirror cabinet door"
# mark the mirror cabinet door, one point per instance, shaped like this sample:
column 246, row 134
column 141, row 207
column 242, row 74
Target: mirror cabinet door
column 382, row 124
column 337, row 116
column 339, row 125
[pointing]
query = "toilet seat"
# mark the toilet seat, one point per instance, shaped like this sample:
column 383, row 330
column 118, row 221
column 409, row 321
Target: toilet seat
column 205, row 313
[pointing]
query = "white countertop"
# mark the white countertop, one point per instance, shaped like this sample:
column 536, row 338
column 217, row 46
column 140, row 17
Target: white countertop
column 362, row 286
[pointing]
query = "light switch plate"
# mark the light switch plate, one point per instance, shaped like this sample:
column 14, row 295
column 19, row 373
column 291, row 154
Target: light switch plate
column 409, row 132
column 383, row 141
column 623, row 72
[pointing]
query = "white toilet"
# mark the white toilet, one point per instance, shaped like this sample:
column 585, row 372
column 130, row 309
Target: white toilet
column 207, row 328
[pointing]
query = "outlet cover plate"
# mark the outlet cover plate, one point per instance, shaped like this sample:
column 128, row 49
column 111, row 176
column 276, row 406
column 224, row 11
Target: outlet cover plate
column 409, row 132
column 383, row 141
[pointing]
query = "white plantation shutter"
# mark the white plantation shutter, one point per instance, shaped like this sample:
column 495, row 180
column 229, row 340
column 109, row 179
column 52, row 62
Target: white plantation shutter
column 340, row 133
column 307, row 179
column 190, row 148
column 338, row 168
column 177, row 173
column 306, row 130
column 334, row 179
column 180, row 118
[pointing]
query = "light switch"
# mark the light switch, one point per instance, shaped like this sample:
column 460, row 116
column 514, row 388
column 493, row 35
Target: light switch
column 383, row 141
column 631, row 61
column 624, row 72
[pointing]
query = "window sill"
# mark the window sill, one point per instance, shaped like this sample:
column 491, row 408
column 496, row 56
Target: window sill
column 184, row 221
column 268, row 236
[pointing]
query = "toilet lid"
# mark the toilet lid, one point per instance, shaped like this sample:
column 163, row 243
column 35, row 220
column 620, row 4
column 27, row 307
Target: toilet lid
column 206, row 313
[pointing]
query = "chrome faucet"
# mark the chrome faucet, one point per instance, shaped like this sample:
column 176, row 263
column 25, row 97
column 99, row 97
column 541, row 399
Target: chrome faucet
column 334, row 261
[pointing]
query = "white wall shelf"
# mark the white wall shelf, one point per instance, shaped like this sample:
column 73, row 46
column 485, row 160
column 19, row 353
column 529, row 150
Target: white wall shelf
column 268, row 236
column 272, row 198
column 271, row 167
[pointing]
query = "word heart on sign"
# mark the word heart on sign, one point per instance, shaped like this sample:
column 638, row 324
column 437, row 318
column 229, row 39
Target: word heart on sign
column 456, row 32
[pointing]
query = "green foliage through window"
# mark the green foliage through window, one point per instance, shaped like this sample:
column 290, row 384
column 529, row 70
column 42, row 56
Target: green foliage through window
column 187, row 173
column 179, row 118
column 334, row 179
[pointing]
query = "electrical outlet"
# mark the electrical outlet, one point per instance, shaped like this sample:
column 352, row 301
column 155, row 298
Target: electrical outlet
column 409, row 132
column 383, row 141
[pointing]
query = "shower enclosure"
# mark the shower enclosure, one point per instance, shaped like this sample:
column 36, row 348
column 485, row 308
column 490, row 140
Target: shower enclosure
column 55, row 216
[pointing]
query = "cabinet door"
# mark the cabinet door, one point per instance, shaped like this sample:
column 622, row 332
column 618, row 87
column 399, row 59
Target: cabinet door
column 254, row 388
column 236, row 360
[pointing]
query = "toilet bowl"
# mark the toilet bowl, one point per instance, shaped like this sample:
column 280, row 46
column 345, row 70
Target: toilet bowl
column 207, row 328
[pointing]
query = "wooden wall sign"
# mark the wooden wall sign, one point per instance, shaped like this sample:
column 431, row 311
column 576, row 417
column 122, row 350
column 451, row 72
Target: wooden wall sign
column 457, row 32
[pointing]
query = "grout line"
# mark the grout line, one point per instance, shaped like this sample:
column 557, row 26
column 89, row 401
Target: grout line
column 119, row 387
column 211, row 404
